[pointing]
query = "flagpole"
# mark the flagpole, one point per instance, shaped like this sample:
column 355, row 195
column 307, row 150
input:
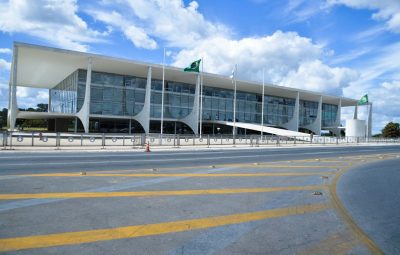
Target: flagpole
column 234, row 104
column 201, row 97
column 366, row 135
column 162, row 96
column 262, row 107
column 369, row 120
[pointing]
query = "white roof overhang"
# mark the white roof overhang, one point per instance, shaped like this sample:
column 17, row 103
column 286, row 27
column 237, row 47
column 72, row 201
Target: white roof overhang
column 45, row 67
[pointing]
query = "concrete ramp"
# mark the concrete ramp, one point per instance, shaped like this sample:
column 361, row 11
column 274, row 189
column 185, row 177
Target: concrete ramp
column 43, row 115
column 266, row 129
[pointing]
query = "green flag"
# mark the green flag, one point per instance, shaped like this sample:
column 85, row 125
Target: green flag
column 194, row 67
column 363, row 100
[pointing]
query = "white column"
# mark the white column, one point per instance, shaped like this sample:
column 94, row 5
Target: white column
column 316, row 125
column 143, row 117
column 293, row 124
column 355, row 112
column 162, row 96
column 262, row 105
column 12, row 93
column 76, row 125
column 49, row 102
column 201, row 99
column 339, row 113
column 84, row 112
column 318, row 121
column 338, row 119
column 369, row 125
column 335, row 126
column 234, row 103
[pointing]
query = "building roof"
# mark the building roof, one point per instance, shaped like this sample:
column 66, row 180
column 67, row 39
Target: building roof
column 44, row 67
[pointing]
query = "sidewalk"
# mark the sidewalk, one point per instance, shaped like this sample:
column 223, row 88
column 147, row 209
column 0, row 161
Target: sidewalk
column 181, row 148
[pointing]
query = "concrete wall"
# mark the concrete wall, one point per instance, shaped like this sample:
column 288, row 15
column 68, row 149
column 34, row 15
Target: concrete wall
column 355, row 128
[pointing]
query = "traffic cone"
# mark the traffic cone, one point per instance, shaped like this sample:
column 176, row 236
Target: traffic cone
column 147, row 147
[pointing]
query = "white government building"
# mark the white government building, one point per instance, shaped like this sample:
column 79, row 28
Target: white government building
column 100, row 94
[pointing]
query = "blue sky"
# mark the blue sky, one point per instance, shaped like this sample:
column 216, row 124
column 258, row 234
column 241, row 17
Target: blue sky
column 340, row 47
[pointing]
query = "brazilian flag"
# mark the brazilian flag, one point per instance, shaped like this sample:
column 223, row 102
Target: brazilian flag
column 363, row 100
column 194, row 67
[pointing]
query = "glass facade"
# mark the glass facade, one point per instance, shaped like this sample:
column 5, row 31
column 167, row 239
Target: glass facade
column 122, row 95
column 329, row 114
column 308, row 112
column 63, row 97
column 113, row 94
column 218, row 105
column 178, row 99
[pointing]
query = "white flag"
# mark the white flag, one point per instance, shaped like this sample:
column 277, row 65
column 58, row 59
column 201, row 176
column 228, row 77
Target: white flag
column 233, row 74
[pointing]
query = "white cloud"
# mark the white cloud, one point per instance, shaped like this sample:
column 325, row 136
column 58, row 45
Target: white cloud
column 386, row 104
column 43, row 95
column 30, row 97
column 3, row 94
column 55, row 21
column 135, row 34
column 4, row 65
column 302, row 10
column 23, row 92
column 384, row 63
column 316, row 76
column 278, row 53
column 387, row 10
column 288, row 59
column 5, row 51
column 148, row 20
column 184, row 27
column 380, row 78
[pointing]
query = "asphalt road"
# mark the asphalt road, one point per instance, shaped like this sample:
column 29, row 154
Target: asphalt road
column 371, row 194
column 66, row 161
column 242, row 201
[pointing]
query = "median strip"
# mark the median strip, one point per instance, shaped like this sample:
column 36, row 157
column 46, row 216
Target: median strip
column 89, row 236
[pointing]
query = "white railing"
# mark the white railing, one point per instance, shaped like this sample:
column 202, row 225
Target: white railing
column 57, row 140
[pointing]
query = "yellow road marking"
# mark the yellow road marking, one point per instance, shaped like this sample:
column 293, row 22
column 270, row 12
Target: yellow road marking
column 290, row 166
column 73, row 238
column 339, row 243
column 155, row 193
column 260, row 165
column 361, row 235
column 320, row 160
column 176, row 175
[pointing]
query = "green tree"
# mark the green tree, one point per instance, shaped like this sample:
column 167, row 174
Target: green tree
column 42, row 107
column 392, row 129
column 3, row 118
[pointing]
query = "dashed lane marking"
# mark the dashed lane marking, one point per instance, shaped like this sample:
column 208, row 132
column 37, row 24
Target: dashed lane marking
column 89, row 236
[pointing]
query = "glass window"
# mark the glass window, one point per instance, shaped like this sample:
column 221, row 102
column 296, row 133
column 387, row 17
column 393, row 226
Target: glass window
column 139, row 96
column 107, row 94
